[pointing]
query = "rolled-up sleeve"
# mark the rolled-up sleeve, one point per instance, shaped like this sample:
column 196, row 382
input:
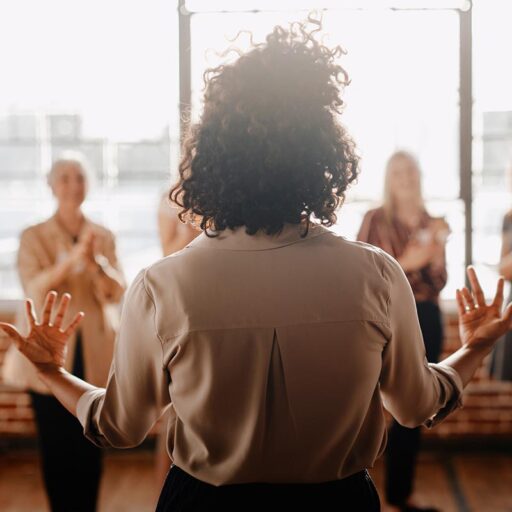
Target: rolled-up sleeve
column 414, row 391
column 137, row 391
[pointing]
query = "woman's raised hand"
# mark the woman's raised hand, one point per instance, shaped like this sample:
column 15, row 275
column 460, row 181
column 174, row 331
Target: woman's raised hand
column 480, row 325
column 46, row 344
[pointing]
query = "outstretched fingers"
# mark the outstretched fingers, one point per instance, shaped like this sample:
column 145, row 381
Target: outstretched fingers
column 475, row 286
column 468, row 299
column 31, row 315
column 48, row 306
column 498, row 298
column 12, row 332
column 460, row 302
column 74, row 324
column 61, row 310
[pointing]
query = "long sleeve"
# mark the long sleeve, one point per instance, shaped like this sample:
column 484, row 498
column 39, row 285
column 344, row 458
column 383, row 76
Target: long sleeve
column 137, row 389
column 414, row 391
column 112, row 287
column 35, row 279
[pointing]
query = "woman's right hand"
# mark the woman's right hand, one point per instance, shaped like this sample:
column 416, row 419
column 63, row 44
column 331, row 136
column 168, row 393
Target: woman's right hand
column 481, row 325
column 82, row 252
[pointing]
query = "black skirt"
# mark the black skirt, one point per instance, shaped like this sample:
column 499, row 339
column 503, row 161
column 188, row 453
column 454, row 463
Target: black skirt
column 183, row 492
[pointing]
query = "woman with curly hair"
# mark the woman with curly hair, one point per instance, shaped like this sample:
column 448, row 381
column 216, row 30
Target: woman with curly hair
column 275, row 341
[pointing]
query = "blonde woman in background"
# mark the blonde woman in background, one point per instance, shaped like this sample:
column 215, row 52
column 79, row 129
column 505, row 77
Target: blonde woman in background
column 69, row 253
column 174, row 235
column 405, row 230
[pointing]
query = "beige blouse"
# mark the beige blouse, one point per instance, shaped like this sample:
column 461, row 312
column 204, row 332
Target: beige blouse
column 276, row 355
column 41, row 246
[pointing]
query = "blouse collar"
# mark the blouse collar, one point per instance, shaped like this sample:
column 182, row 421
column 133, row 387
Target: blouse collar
column 238, row 239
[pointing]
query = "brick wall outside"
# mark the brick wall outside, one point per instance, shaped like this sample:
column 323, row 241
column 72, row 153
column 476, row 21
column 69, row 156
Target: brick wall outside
column 487, row 407
column 16, row 417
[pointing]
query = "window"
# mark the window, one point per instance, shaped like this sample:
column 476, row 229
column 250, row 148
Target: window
column 99, row 77
column 492, row 132
column 403, row 94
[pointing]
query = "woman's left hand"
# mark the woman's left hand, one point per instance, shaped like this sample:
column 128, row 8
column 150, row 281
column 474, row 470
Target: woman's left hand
column 46, row 344
column 480, row 324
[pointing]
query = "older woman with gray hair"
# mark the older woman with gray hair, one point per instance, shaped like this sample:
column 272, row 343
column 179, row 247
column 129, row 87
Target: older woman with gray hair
column 70, row 253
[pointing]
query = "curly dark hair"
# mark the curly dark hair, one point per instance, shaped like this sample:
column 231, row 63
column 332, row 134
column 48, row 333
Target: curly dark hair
column 268, row 149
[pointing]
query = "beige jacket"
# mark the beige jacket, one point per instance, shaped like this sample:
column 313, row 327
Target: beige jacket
column 41, row 246
column 276, row 355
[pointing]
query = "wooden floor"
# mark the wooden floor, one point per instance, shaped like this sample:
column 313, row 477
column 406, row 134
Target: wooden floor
column 454, row 482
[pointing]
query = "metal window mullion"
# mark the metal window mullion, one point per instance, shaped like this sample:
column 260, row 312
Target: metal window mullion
column 185, row 68
column 466, row 128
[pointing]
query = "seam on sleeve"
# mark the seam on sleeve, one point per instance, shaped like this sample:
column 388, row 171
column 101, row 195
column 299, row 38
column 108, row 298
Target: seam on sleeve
column 385, row 276
column 154, row 315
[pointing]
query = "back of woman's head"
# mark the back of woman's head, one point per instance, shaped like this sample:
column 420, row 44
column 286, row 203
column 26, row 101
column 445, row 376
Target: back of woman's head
column 268, row 148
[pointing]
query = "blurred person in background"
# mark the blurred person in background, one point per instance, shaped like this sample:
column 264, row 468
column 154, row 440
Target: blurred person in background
column 174, row 235
column 404, row 229
column 69, row 253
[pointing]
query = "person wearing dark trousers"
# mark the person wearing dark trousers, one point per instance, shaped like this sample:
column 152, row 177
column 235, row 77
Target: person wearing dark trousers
column 72, row 465
column 404, row 229
column 70, row 253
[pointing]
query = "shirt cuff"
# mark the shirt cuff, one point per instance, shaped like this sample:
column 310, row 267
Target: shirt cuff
column 85, row 408
column 455, row 401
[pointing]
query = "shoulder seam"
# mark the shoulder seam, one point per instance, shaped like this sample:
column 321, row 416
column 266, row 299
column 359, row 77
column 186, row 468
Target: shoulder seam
column 154, row 307
column 385, row 261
